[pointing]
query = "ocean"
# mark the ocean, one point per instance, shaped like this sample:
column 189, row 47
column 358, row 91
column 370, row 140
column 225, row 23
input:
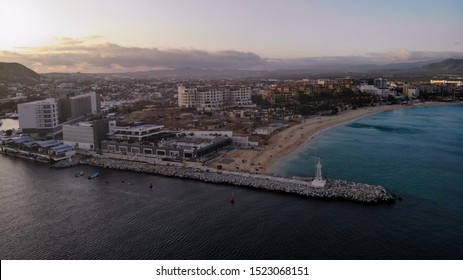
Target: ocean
column 415, row 153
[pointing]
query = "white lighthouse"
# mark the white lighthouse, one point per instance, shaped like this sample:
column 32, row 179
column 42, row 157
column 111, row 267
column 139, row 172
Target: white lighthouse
column 318, row 181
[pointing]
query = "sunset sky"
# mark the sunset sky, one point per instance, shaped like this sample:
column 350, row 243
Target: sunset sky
column 111, row 36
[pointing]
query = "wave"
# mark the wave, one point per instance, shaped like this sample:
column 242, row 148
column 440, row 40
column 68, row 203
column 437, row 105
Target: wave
column 386, row 128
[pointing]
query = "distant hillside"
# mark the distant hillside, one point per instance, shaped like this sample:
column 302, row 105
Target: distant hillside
column 453, row 66
column 15, row 72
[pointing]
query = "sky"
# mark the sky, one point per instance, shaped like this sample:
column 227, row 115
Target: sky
column 122, row 35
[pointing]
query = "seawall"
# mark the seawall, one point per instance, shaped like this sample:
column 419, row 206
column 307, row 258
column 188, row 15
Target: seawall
column 334, row 189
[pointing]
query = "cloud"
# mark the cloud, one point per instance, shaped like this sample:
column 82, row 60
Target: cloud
column 95, row 54
column 68, row 54
column 404, row 55
column 401, row 54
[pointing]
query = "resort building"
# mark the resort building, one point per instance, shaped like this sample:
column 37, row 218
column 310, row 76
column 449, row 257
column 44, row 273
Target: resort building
column 411, row 91
column 451, row 82
column 209, row 98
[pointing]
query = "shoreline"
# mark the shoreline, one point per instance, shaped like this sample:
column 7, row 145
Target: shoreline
column 283, row 144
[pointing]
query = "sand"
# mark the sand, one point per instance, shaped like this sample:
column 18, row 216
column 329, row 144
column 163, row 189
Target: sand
column 286, row 141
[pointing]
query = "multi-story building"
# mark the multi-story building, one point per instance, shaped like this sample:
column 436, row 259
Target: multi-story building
column 86, row 135
column 209, row 98
column 39, row 118
column 452, row 82
column 79, row 105
column 411, row 91
column 137, row 132
column 380, row 83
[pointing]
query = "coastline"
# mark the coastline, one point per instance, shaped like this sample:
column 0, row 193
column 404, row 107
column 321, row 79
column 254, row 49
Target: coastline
column 271, row 157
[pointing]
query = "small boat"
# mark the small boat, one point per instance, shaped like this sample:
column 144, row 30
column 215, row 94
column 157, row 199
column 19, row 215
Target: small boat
column 93, row 175
column 151, row 185
column 232, row 199
column 79, row 174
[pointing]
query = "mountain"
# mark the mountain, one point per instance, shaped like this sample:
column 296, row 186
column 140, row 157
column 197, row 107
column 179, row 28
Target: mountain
column 189, row 72
column 450, row 66
column 15, row 72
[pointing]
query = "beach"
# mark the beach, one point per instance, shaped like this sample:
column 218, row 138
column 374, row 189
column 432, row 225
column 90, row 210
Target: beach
column 263, row 159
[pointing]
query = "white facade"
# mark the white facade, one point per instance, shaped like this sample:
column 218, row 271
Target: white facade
column 94, row 102
column 38, row 114
column 79, row 136
column 137, row 132
column 411, row 91
column 371, row 89
column 213, row 98
column 454, row 82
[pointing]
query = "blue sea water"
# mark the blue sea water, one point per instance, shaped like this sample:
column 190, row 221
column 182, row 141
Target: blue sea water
column 415, row 153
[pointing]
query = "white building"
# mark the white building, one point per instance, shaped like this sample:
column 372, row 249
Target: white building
column 213, row 98
column 383, row 92
column 411, row 91
column 380, row 83
column 453, row 82
column 85, row 135
column 136, row 132
column 39, row 118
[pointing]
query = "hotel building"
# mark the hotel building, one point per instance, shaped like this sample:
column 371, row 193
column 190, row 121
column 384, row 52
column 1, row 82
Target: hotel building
column 209, row 98
column 39, row 118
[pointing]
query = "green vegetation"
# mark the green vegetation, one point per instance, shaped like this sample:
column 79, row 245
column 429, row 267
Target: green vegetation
column 310, row 104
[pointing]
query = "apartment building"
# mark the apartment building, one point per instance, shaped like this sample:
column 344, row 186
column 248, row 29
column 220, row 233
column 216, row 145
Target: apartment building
column 209, row 98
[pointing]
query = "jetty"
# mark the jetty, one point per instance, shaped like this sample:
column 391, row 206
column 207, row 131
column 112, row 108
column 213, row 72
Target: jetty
column 305, row 186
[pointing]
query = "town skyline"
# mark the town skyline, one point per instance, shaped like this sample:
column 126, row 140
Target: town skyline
column 100, row 36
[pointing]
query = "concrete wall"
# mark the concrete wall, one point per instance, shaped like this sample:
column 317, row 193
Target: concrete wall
column 78, row 136
column 26, row 112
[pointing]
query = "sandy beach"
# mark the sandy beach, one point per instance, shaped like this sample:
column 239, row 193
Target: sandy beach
column 290, row 139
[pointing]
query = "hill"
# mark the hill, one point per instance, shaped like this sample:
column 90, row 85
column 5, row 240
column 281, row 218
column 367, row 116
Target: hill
column 451, row 66
column 15, row 72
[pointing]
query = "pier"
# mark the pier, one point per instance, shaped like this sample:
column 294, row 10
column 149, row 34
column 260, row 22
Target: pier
column 332, row 190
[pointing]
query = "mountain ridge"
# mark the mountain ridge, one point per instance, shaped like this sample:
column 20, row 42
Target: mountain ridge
column 16, row 72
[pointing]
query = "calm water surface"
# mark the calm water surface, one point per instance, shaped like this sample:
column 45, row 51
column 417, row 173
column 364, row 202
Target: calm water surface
column 417, row 153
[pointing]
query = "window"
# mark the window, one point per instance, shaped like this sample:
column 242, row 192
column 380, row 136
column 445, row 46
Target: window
column 174, row 154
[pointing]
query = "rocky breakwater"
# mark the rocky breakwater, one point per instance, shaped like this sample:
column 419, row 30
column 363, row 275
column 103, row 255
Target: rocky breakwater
column 334, row 189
